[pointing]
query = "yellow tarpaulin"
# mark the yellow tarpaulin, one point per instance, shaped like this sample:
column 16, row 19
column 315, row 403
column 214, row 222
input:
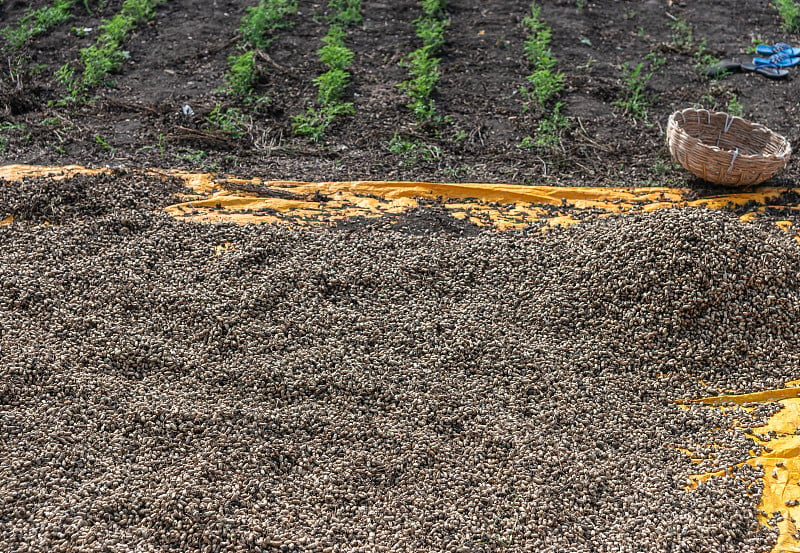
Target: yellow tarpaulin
column 779, row 458
column 222, row 198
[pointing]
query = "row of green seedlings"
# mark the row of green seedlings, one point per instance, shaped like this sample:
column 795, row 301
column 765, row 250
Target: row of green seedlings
column 257, row 31
column 36, row 22
column 331, row 84
column 423, row 63
column 105, row 56
column 545, row 84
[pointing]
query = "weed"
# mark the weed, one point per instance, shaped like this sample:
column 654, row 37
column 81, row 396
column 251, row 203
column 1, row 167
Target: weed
column 242, row 73
column 36, row 22
column 656, row 61
column 455, row 173
column 790, row 14
column 580, row 5
column 682, row 37
column 702, row 56
column 316, row 121
column 634, row 103
column 103, row 143
column 192, row 155
column 683, row 41
column 101, row 5
column 661, row 167
column 411, row 151
column 228, row 120
column 8, row 128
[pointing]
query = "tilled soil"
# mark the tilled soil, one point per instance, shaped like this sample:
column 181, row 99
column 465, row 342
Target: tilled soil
column 167, row 386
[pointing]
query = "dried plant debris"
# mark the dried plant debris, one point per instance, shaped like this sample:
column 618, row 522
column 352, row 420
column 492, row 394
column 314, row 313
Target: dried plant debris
column 362, row 389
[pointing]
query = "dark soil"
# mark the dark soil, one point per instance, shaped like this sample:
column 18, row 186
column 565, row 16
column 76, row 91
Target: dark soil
column 180, row 57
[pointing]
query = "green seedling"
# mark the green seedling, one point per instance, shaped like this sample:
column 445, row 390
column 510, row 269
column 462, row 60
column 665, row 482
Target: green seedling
column 423, row 69
column 242, row 73
column 105, row 56
column 258, row 28
column 734, row 106
column 345, row 12
column 331, row 84
column 545, row 82
column 260, row 22
column 422, row 64
column 548, row 132
column 634, row 102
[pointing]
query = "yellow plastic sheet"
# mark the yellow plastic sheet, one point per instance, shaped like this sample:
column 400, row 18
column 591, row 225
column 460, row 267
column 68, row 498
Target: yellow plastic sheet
column 779, row 458
column 219, row 198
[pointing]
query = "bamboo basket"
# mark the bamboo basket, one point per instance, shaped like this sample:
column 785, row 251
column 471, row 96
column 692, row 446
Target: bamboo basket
column 725, row 149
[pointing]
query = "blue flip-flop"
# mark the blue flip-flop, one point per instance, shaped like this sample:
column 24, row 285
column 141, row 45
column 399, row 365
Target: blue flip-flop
column 781, row 59
column 777, row 48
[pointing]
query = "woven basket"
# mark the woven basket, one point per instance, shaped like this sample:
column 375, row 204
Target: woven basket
column 725, row 149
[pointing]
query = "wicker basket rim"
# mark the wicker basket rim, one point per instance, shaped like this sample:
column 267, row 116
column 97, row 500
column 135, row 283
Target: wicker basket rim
column 786, row 147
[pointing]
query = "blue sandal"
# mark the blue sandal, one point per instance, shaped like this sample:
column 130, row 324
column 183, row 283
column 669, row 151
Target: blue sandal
column 768, row 71
column 777, row 48
column 781, row 59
